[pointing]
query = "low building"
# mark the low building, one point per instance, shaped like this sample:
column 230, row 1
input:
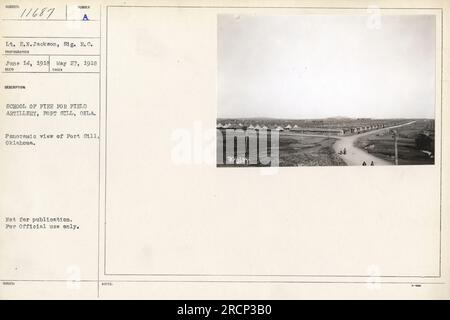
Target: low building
column 326, row 131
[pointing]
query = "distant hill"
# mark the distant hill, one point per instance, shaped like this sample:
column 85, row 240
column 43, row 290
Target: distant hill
column 337, row 118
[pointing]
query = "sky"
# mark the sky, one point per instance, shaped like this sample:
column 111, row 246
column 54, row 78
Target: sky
column 318, row 66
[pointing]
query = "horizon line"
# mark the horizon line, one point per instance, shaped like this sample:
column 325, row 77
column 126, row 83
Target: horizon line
column 335, row 117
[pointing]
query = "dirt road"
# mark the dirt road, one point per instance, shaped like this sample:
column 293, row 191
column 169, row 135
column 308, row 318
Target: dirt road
column 355, row 156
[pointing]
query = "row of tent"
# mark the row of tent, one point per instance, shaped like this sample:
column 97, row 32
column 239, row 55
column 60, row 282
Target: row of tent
column 296, row 127
column 257, row 127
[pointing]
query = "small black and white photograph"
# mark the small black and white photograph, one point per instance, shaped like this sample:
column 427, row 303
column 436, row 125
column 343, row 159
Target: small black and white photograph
column 326, row 90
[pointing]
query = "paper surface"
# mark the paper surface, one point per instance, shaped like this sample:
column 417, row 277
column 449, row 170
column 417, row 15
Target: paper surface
column 112, row 116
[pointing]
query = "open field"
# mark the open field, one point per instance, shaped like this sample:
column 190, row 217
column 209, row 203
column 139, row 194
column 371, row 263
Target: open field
column 297, row 150
column 300, row 150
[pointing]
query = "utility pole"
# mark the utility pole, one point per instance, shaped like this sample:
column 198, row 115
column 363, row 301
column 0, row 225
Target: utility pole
column 395, row 135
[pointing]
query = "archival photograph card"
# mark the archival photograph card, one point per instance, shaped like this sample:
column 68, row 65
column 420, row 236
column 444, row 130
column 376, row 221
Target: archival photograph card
column 224, row 150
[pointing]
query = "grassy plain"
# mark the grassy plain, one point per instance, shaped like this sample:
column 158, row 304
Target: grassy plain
column 299, row 150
